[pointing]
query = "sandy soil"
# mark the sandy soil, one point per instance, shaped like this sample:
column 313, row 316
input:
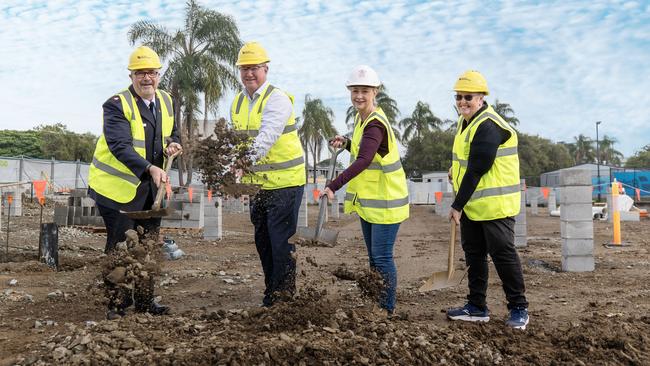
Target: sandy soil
column 598, row 317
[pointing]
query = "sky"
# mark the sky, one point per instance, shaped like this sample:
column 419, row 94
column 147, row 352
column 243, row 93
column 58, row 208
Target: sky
column 561, row 65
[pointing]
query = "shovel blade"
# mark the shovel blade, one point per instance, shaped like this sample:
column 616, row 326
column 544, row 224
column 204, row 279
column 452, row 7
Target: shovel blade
column 304, row 234
column 440, row 280
column 161, row 212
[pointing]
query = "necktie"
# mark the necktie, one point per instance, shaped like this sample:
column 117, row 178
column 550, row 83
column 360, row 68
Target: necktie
column 152, row 108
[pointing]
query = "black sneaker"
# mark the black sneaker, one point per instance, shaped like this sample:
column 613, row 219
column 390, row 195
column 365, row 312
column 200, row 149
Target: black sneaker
column 518, row 318
column 469, row 313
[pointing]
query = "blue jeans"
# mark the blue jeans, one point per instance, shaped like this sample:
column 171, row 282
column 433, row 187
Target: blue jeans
column 380, row 240
column 274, row 213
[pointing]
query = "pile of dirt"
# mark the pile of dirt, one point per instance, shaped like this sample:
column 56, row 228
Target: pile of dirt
column 133, row 265
column 219, row 156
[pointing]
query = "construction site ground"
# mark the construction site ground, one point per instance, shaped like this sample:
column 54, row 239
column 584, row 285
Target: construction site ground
column 58, row 317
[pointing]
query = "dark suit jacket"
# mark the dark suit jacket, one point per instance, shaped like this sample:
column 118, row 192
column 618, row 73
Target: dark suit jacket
column 117, row 131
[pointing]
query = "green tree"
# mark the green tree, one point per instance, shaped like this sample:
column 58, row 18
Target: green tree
column 640, row 159
column 431, row 152
column 387, row 104
column 58, row 142
column 421, row 120
column 16, row 143
column 201, row 64
column 609, row 155
column 317, row 124
column 505, row 110
column 538, row 155
column 584, row 150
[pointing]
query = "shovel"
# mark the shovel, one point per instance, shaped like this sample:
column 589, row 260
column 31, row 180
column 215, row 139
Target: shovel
column 156, row 210
column 450, row 277
column 320, row 234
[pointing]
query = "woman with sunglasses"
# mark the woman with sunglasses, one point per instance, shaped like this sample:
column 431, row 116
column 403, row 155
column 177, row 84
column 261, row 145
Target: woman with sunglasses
column 485, row 176
column 377, row 189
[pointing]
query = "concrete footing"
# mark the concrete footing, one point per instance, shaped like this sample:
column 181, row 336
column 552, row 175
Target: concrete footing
column 576, row 223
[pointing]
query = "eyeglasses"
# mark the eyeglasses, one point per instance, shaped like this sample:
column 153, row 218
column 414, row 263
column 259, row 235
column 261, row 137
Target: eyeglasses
column 245, row 69
column 141, row 74
column 467, row 97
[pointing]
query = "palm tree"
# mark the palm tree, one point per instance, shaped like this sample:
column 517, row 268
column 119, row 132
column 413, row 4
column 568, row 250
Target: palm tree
column 584, row 149
column 422, row 120
column 505, row 110
column 387, row 104
column 317, row 124
column 201, row 63
column 609, row 155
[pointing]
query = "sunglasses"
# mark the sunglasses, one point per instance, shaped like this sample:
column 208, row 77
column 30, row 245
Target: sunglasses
column 467, row 97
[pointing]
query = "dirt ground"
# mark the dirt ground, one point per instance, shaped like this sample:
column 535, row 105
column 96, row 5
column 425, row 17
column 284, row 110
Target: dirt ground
column 593, row 318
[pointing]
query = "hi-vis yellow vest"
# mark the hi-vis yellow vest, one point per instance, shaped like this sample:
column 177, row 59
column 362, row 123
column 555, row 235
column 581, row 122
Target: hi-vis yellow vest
column 379, row 194
column 284, row 164
column 107, row 175
column 497, row 195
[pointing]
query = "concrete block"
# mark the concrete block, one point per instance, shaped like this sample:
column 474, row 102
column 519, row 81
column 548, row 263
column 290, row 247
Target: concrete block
column 534, row 208
column 552, row 201
column 582, row 263
column 76, row 220
column 630, row 216
column 575, row 177
column 79, row 192
column 189, row 224
column 61, row 215
column 575, row 194
column 576, row 212
column 212, row 233
column 521, row 241
column 577, row 229
column 579, row 247
column 71, row 210
column 87, row 201
column 210, row 211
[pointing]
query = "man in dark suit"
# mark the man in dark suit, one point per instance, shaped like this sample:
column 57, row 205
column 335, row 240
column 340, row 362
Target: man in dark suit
column 127, row 165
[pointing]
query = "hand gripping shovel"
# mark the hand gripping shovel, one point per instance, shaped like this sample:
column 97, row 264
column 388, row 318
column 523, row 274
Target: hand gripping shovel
column 450, row 277
column 320, row 234
column 156, row 210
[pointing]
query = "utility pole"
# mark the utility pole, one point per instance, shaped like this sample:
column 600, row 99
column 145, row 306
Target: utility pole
column 598, row 159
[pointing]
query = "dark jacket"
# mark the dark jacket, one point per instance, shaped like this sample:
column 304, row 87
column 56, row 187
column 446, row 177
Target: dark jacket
column 117, row 131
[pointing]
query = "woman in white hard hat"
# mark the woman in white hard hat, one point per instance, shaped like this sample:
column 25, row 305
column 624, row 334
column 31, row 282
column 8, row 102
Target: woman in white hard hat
column 377, row 189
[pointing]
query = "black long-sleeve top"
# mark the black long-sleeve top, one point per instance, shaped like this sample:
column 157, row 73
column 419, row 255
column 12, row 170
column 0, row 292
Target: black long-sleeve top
column 117, row 132
column 482, row 152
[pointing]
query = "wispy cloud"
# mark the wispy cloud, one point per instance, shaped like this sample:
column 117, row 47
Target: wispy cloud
column 562, row 65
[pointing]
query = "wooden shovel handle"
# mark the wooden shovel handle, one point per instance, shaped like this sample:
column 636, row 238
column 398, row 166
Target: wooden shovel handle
column 161, row 189
column 452, row 242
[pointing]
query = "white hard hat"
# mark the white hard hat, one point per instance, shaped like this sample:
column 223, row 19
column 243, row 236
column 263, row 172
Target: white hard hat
column 363, row 75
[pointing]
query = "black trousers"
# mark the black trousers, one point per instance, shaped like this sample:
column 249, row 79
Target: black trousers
column 496, row 238
column 274, row 213
column 116, row 226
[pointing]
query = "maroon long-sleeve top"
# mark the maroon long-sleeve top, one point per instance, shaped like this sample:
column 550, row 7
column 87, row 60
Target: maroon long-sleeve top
column 373, row 141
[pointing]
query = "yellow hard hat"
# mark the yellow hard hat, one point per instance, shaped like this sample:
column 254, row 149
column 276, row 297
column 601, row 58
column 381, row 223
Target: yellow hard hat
column 144, row 58
column 471, row 81
column 252, row 53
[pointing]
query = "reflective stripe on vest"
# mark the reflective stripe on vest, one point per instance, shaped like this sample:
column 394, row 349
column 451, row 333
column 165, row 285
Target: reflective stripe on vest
column 378, row 203
column 112, row 171
column 284, row 164
column 379, row 194
column 287, row 129
column 497, row 194
column 500, row 152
